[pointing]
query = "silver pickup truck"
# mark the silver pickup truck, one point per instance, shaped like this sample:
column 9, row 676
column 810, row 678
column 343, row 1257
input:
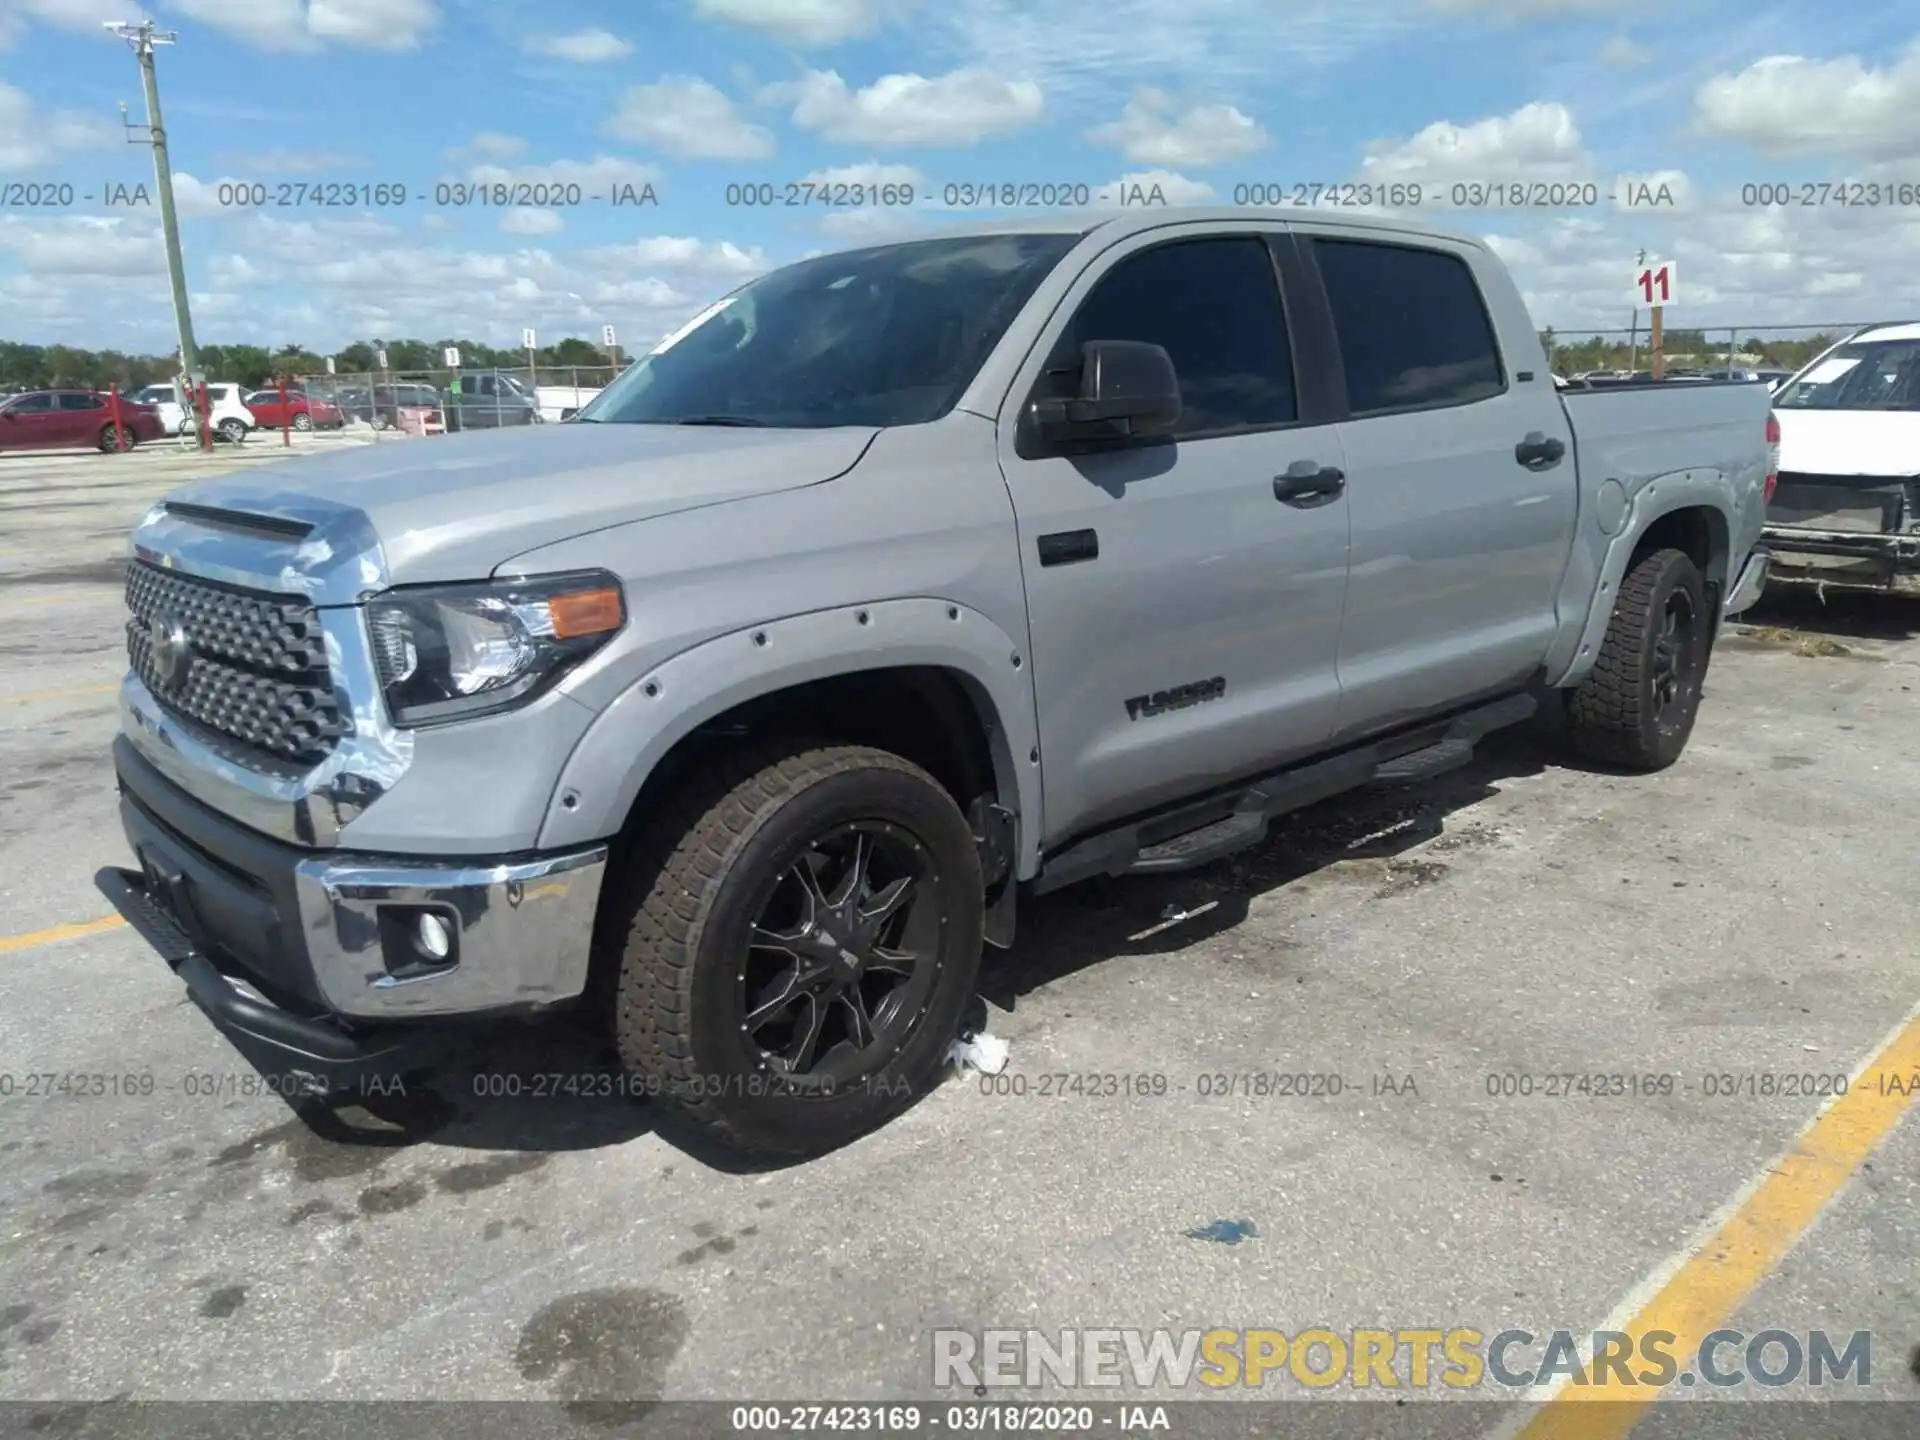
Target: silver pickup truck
column 899, row 583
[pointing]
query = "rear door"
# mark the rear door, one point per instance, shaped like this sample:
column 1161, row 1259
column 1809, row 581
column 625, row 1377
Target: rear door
column 1184, row 619
column 1460, row 476
column 80, row 417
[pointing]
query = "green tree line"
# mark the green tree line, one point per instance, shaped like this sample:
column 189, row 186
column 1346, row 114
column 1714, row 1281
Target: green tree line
column 35, row 366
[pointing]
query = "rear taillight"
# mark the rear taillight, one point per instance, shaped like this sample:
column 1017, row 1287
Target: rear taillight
column 1773, row 454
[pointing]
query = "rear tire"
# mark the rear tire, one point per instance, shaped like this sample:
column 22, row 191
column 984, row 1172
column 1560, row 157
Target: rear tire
column 736, row 1001
column 1637, row 708
column 303, row 421
column 233, row 431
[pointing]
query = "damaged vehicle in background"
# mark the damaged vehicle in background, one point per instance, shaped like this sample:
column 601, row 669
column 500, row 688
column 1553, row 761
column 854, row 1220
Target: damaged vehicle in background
column 1846, row 514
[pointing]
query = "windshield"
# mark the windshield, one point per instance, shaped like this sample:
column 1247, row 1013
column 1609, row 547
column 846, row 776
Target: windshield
column 1871, row 375
column 886, row 336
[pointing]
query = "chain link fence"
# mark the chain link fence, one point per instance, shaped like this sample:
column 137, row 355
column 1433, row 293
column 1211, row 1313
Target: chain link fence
column 405, row 403
column 1708, row 350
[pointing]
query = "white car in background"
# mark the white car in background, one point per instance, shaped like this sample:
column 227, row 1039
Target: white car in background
column 231, row 419
column 559, row 401
column 1847, row 510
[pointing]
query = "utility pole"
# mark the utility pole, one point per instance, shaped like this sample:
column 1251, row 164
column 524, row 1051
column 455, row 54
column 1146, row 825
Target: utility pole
column 142, row 38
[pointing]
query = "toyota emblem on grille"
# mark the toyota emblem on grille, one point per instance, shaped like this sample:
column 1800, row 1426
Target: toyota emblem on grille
column 172, row 656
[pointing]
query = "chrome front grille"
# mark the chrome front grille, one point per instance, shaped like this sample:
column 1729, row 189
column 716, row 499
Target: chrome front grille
column 249, row 665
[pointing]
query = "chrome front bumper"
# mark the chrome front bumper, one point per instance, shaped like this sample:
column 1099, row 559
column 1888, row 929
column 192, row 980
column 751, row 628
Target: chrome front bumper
column 521, row 933
column 335, row 933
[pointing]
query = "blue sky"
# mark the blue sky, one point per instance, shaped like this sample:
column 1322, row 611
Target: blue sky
column 1179, row 100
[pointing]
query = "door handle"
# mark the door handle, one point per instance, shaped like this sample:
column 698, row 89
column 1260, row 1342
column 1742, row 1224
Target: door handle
column 1308, row 483
column 1539, row 451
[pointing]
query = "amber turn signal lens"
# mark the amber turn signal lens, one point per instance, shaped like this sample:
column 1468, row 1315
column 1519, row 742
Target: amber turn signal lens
column 586, row 612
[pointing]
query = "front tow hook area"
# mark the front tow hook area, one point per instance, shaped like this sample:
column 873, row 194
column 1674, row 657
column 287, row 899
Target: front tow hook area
column 303, row 1055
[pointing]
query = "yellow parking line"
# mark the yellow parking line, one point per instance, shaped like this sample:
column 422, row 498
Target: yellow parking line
column 53, row 934
column 32, row 696
column 1720, row 1273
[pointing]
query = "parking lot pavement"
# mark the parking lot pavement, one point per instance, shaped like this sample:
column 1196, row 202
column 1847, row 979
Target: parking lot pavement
column 1430, row 953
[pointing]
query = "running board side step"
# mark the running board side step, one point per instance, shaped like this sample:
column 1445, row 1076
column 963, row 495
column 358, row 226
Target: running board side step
column 1198, row 832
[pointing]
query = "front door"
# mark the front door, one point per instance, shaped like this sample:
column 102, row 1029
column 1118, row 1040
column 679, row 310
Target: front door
column 1184, row 617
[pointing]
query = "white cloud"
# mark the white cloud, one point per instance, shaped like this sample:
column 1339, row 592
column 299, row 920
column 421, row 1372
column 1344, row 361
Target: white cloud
column 1537, row 143
column 798, row 22
column 866, row 175
column 583, row 47
column 873, row 224
column 595, row 177
column 83, row 245
column 1156, row 187
column 689, row 119
column 531, row 220
column 77, row 15
column 1522, row 10
column 31, row 137
column 1739, row 265
column 1148, row 134
column 682, row 253
column 1623, row 52
column 307, row 25
column 1080, row 53
column 294, row 162
column 487, row 145
column 959, row 108
column 1790, row 105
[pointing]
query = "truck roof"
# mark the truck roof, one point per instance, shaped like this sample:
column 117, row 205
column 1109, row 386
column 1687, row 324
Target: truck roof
column 1133, row 219
column 1892, row 330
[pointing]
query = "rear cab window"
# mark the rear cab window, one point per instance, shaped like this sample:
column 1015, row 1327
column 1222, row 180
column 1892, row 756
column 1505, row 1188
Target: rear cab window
column 1413, row 328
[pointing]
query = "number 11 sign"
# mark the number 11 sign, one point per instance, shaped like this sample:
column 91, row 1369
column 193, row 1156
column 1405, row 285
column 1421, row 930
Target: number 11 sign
column 1656, row 283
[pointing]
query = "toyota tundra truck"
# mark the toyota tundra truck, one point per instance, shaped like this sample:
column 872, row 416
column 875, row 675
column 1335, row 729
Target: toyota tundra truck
column 895, row 587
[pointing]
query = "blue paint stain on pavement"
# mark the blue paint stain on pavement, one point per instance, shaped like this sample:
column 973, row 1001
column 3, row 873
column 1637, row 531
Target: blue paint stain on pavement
column 1225, row 1232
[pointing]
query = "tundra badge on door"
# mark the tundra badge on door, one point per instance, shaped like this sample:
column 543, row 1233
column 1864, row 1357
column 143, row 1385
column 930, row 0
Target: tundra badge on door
column 1178, row 698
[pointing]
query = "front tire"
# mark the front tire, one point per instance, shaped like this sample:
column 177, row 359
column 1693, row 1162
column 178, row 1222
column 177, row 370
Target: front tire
column 1637, row 708
column 797, row 940
column 106, row 441
column 303, row 421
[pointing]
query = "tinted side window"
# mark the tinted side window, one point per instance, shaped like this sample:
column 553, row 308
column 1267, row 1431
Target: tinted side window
column 28, row 404
column 1413, row 329
column 81, row 402
column 1215, row 306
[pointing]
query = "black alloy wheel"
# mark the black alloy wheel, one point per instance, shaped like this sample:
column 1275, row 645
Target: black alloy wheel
column 841, row 960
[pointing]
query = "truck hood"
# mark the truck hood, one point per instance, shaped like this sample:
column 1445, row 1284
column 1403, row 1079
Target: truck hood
column 455, row 507
column 1850, row 442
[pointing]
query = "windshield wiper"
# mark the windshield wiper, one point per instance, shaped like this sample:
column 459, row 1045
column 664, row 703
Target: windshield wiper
column 715, row 420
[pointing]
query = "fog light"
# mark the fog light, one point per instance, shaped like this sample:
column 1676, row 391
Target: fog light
column 436, row 941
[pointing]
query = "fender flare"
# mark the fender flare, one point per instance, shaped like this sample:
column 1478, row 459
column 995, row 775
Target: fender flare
column 1573, row 656
column 624, row 745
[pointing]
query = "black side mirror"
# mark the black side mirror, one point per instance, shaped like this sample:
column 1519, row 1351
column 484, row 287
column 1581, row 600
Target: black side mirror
column 1127, row 388
column 569, row 412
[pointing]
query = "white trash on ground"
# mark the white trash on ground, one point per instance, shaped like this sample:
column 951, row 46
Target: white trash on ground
column 985, row 1053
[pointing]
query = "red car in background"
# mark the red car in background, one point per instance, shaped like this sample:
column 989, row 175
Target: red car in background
column 298, row 410
column 58, row 419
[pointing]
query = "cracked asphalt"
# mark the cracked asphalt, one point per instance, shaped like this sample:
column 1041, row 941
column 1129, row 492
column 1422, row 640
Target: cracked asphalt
column 175, row 1234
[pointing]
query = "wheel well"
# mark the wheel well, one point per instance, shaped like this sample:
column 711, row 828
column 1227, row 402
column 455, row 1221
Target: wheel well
column 923, row 713
column 1698, row 531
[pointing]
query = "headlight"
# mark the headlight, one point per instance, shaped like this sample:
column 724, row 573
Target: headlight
column 450, row 652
